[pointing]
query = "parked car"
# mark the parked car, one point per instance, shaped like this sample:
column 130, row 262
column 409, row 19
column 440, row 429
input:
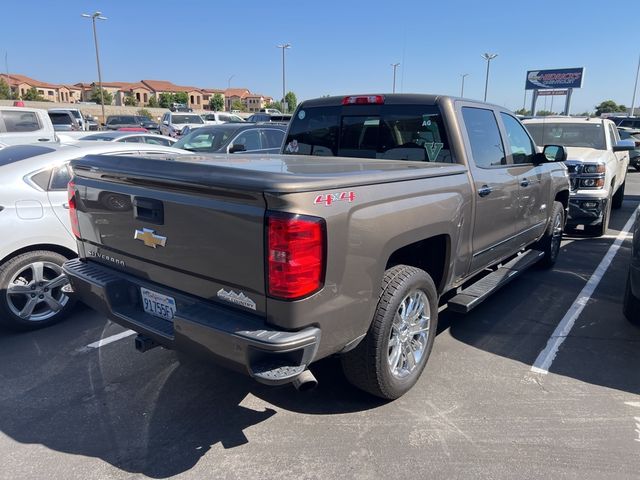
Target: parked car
column 130, row 137
column 234, row 138
column 20, row 125
column 34, row 207
column 274, row 262
column 634, row 136
column 269, row 117
column 273, row 111
column 629, row 122
column 217, row 118
column 63, row 121
column 115, row 122
column 172, row 124
column 77, row 114
column 148, row 124
column 597, row 163
column 631, row 306
column 92, row 123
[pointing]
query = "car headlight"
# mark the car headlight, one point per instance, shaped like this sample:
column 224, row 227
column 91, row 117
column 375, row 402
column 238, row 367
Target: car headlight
column 594, row 168
column 592, row 182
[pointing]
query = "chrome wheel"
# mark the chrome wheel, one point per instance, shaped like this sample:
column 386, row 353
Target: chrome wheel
column 35, row 294
column 409, row 334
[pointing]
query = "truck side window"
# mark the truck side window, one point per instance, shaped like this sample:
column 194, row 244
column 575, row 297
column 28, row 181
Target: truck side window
column 484, row 137
column 521, row 145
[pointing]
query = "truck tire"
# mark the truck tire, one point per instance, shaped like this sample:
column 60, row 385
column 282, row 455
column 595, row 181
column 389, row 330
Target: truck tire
column 601, row 228
column 552, row 238
column 631, row 306
column 393, row 354
column 616, row 201
column 30, row 291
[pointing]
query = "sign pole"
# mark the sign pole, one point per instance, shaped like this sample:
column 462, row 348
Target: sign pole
column 534, row 100
column 567, row 102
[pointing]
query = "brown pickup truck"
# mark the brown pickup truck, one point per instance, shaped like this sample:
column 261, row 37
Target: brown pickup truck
column 379, row 209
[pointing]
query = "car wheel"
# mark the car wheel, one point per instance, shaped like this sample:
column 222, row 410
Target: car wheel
column 393, row 354
column 601, row 228
column 31, row 294
column 552, row 238
column 618, row 197
column 631, row 306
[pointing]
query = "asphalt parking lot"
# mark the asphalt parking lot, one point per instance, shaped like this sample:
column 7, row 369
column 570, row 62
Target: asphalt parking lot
column 73, row 408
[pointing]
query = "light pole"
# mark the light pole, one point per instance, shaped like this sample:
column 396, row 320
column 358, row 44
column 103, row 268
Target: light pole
column 97, row 16
column 284, row 46
column 229, row 81
column 464, row 75
column 488, row 57
column 635, row 86
column 395, row 66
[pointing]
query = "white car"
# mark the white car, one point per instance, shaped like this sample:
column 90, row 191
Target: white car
column 173, row 123
column 34, row 220
column 218, row 118
column 20, row 125
column 122, row 137
column 597, row 161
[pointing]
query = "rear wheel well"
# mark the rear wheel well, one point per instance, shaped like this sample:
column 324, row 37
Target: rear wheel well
column 42, row 246
column 430, row 255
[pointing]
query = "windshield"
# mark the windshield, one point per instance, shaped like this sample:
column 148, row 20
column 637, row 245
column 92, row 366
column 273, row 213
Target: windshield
column 204, row 140
column 393, row 132
column 182, row 119
column 122, row 120
column 75, row 113
column 589, row 135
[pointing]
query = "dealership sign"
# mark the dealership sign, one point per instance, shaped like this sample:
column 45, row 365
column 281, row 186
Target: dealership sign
column 558, row 78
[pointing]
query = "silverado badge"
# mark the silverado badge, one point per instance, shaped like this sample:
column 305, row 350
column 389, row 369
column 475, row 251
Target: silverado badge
column 149, row 238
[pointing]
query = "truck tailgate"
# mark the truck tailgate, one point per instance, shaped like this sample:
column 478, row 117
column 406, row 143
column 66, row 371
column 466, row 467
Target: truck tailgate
column 204, row 242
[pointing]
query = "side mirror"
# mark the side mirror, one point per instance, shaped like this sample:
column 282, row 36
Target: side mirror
column 238, row 147
column 550, row 153
column 624, row 146
column 166, row 122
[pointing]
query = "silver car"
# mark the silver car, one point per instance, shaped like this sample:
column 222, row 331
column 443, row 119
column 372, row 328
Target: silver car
column 130, row 137
column 36, row 232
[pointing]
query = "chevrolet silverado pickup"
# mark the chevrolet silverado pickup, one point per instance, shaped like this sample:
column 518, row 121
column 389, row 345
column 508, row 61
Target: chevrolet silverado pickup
column 379, row 209
column 597, row 161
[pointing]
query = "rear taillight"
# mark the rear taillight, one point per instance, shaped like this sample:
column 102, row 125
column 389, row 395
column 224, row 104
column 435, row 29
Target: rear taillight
column 296, row 255
column 73, row 211
column 363, row 100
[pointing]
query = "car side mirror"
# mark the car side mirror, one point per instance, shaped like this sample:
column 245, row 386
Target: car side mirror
column 624, row 146
column 237, row 147
column 166, row 122
column 550, row 153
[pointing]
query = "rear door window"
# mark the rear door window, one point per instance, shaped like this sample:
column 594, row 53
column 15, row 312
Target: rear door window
column 484, row 136
column 392, row 132
column 272, row 138
column 18, row 121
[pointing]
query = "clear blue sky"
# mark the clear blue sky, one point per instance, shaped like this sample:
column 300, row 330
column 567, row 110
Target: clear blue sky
column 338, row 46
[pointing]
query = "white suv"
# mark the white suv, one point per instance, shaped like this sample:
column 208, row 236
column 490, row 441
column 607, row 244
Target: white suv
column 597, row 161
column 20, row 125
column 173, row 124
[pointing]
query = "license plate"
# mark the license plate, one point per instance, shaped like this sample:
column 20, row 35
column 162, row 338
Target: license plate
column 158, row 305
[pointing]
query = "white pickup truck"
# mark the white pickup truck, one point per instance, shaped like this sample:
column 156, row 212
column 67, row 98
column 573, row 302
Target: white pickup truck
column 597, row 161
column 19, row 125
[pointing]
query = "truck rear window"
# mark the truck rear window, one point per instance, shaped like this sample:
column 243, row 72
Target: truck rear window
column 393, row 132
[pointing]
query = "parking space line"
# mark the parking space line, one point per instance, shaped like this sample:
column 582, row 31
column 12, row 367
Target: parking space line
column 113, row 338
column 548, row 355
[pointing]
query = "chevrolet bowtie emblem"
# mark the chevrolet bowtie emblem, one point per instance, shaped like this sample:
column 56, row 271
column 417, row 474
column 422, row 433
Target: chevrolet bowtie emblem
column 149, row 238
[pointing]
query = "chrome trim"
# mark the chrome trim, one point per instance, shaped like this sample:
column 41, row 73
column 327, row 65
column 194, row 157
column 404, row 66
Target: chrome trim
column 508, row 239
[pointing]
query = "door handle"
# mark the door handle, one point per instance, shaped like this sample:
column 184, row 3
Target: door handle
column 65, row 206
column 43, row 140
column 484, row 190
column 524, row 182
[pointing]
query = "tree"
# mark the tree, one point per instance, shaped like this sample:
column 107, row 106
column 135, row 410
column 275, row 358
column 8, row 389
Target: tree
column 216, row 102
column 130, row 100
column 165, row 100
column 5, row 91
column 545, row 113
column 96, row 97
column 33, row 95
column 523, row 111
column 153, row 102
column 609, row 106
column 291, row 101
column 143, row 112
column 181, row 97
column 238, row 105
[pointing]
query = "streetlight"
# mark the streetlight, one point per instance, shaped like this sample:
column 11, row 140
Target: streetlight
column 97, row 16
column 464, row 75
column 284, row 46
column 229, row 81
column 488, row 57
column 635, row 87
column 395, row 66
